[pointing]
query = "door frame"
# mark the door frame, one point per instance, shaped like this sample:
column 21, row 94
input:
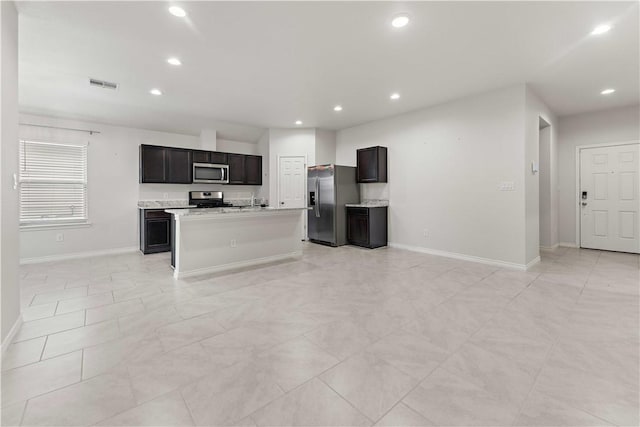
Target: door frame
column 304, row 212
column 579, row 148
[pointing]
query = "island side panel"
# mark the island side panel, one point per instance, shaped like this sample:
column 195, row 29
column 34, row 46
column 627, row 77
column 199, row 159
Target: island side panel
column 204, row 242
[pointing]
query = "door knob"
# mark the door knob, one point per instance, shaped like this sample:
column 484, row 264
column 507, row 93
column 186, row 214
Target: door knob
column 584, row 203
column 282, row 203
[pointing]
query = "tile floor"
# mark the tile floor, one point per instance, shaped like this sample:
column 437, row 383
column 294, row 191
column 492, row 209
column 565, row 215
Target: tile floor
column 343, row 337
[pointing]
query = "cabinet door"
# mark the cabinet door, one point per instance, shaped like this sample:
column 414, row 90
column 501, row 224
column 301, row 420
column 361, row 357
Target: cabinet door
column 219, row 158
column 200, row 156
column 357, row 228
column 367, row 166
column 236, row 168
column 178, row 166
column 152, row 164
column 158, row 234
column 253, row 170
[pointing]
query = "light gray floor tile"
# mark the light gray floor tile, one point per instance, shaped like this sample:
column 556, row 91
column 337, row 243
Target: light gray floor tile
column 80, row 404
column 42, row 327
column 112, row 311
column 75, row 339
column 370, row 384
column 541, row 410
column 59, row 295
column 12, row 414
column 448, row 400
column 188, row 331
column 32, row 380
column 311, row 404
column 296, row 362
column 38, row 311
column 23, row 353
column 402, row 415
column 167, row 410
column 230, row 395
column 75, row 304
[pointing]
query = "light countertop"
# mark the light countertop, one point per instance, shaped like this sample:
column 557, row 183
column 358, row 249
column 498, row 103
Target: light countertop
column 164, row 204
column 369, row 204
column 227, row 210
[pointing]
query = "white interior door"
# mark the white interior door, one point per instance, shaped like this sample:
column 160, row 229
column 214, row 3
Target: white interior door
column 292, row 178
column 609, row 201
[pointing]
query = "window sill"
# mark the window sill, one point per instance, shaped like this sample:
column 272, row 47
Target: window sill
column 40, row 227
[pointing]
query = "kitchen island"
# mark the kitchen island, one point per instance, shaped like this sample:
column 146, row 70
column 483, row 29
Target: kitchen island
column 219, row 239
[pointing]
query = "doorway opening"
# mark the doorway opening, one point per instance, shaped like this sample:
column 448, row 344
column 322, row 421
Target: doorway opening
column 547, row 240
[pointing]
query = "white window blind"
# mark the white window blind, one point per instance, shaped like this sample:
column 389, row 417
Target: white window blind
column 53, row 183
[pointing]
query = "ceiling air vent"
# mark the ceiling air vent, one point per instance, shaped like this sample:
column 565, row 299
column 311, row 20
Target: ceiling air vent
column 103, row 84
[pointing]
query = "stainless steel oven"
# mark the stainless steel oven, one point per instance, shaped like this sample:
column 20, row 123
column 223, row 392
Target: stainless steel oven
column 210, row 173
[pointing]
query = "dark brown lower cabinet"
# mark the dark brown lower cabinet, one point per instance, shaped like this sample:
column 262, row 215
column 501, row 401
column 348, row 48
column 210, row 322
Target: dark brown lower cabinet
column 367, row 227
column 155, row 231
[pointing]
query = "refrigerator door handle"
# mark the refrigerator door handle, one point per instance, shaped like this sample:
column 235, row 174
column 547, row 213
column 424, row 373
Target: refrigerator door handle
column 317, row 198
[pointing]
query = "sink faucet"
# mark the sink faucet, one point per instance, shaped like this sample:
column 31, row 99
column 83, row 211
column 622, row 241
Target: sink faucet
column 253, row 200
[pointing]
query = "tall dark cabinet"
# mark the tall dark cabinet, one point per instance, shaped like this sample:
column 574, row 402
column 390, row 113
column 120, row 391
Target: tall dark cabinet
column 371, row 164
column 236, row 168
column 153, row 164
column 367, row 226
column 253, row 170
column 179, row 169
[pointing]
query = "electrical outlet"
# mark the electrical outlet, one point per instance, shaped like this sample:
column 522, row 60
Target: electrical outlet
column 425, row 233
column 232, row 243
column 59, row 237
column 507, row 186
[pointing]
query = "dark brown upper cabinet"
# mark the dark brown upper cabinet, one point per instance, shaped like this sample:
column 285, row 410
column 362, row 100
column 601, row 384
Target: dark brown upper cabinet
column 219, row 158
column 253, row 170
column 171, row 165
column 236, row 168
column 215, row 157
column 153, row 165
column 371, row 164
column 200, row 156
column 179, row 166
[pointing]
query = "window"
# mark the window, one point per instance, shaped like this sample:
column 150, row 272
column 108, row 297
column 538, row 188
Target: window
column 53, row 183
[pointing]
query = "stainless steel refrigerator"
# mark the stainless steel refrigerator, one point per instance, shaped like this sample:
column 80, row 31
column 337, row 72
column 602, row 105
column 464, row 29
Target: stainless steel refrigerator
column 329, row 187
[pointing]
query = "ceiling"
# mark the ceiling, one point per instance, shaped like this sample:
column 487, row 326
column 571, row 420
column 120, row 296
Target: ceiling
column 252, row 65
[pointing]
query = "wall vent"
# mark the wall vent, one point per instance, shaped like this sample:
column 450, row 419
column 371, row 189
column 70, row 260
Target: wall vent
column 103, row 84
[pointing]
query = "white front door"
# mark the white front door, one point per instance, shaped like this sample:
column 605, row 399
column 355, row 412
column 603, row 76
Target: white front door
column 292, row 178
column 608, row 198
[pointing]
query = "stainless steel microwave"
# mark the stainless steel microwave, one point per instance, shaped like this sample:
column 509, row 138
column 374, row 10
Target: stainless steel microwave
column 210, row 173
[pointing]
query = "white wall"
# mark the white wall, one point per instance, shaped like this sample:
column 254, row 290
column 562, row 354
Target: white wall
column 534, row 109
column 445, row 164
column 113, row 188
column 325, row 147
column 9, row 240
column 614, row 125
column 288, row 142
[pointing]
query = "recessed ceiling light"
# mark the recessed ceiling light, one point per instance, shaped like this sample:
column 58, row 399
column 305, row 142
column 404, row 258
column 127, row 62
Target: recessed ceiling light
column 400, row 21
column 607, row 91
column 298, row 122
column 156, row 92
column 600, row 29
column 174, row 61
column 337, row 108
column 177, row 11
column 395, row 96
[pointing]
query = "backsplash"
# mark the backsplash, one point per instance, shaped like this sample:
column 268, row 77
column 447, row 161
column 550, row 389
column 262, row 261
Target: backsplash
column 377, row 191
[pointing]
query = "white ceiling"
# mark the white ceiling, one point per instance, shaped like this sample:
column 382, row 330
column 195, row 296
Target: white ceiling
column 252, row 65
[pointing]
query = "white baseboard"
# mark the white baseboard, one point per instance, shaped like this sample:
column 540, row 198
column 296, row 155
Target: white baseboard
column 76, row 255
column 462, row 257
column 550, row 248
column 532, row 262
column 567, row 245
column 12, row 333
column 236, row 265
